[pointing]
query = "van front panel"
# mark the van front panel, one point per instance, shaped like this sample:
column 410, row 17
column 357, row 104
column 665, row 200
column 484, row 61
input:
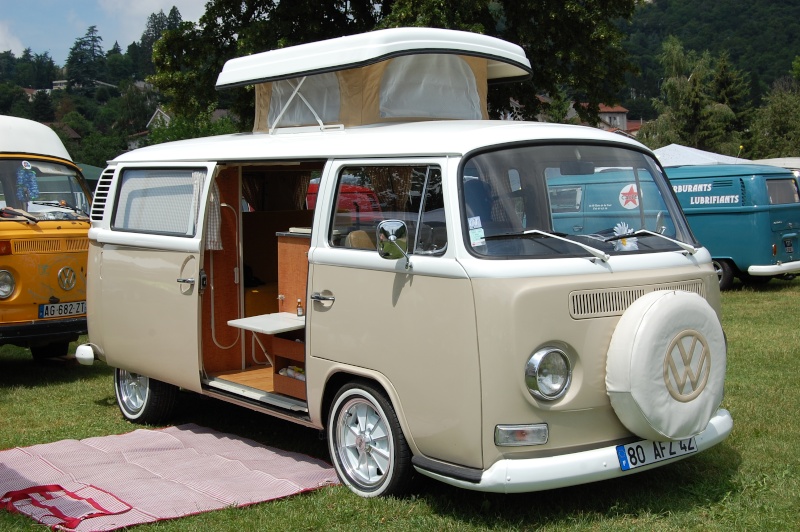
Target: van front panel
column 518, row 316
column 44, row 204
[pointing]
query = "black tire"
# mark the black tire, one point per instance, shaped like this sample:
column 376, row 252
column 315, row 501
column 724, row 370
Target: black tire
column 724, row 273
column 51, row 350
column 367, row 446
column 142, row 399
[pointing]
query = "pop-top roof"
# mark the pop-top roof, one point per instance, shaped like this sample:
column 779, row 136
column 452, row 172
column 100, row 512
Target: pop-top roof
column 22, row 136
column 506, row 61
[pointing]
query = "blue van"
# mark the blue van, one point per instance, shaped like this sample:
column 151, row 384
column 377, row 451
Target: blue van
column 748, row 216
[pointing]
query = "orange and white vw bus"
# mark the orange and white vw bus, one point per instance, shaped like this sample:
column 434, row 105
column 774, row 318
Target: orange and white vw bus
column 44, row 221
column 444, row 326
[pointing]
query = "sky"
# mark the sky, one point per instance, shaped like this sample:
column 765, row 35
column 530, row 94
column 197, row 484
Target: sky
column 53, row 26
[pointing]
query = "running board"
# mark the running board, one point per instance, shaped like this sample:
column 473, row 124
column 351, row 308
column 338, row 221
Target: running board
column 281, row 401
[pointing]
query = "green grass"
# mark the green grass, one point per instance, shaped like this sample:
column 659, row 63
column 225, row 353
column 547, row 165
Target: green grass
column 749, row 482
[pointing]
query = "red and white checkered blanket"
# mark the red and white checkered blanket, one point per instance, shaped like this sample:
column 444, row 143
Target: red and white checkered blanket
column 111, row 482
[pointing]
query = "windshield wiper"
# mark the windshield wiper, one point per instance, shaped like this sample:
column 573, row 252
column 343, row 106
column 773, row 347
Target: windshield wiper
column 60, row 204
column 593, row 251
column 17, row 213
column 644, row 232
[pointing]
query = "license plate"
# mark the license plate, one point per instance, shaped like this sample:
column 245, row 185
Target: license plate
column 58, row 310
column 646, row 452
column 787, row 245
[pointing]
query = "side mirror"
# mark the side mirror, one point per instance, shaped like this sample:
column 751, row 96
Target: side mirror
column 393, row 240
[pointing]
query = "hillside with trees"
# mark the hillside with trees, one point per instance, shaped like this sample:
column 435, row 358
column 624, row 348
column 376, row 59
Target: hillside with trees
column 760, row 38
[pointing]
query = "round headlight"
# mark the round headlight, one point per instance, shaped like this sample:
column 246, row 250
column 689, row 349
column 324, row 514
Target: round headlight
column 548, row 373
column 7, row 284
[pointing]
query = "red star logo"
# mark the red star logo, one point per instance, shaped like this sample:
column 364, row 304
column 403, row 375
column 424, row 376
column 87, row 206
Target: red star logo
column 629, row 196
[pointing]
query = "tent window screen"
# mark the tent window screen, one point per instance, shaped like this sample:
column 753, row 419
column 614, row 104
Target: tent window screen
column 430, row 86
column 159, row 201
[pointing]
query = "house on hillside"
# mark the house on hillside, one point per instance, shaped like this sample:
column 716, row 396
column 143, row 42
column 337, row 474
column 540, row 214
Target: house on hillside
column 613, row 118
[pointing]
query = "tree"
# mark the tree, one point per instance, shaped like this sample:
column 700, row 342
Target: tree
column 86, row 61
column 201, row 125
column 11, row 96
column 690, row 110
column 571, row 43
column 42, row 109
column 775, row 131
column 189, row 58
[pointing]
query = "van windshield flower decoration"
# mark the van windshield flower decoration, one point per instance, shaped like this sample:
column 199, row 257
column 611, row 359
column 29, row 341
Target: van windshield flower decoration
column 624, row 244
column 27, row 187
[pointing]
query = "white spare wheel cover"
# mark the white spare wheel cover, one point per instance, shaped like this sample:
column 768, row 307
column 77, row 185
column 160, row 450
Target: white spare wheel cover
column 665, row 370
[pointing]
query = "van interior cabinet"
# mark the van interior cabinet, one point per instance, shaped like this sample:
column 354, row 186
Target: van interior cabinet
column 281, row 333
column 292, row 279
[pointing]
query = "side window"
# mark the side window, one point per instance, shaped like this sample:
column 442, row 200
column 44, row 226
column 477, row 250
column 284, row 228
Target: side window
column 782, row 191
column 367, row 195
column 160, row 201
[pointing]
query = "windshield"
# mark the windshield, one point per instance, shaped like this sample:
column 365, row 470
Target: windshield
column 562, row 200
column 42, row 190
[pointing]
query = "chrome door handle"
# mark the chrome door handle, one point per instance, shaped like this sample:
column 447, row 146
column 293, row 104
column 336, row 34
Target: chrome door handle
column 316, row 296
column 190, row 280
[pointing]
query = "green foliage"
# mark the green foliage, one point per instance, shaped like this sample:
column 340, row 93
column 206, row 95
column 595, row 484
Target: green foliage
column 10, row 96
column 775, row 131
column 42, row 109
column 761, row 37
column 183, row 127
column 86, row 62
column 703, row 102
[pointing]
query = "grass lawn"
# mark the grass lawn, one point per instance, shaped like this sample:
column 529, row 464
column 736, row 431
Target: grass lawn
column 749, row 482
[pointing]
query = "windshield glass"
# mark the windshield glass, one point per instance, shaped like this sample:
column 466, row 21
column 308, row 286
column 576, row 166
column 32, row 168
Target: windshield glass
column 45, row 190
column 516, row 201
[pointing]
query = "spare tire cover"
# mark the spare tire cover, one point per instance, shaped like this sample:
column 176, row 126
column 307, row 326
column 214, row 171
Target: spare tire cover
column 665, row 370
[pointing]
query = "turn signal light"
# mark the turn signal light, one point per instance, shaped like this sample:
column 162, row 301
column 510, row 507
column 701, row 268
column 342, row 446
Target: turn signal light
column 774, row 250
column 5, row 247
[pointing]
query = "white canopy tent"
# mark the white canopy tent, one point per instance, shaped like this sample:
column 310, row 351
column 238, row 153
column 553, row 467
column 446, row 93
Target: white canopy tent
column 677, row 155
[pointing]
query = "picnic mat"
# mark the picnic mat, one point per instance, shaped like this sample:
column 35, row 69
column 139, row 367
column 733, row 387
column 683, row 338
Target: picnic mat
column 111, row 482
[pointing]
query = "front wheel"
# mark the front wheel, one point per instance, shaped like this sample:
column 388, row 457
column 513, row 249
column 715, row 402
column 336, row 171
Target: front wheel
column 724, row 272
column 142, row 399
column 367, row 446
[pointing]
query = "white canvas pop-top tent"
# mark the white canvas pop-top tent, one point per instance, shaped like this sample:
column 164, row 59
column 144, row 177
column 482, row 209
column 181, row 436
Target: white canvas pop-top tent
column 677, row 155
column 396, row 74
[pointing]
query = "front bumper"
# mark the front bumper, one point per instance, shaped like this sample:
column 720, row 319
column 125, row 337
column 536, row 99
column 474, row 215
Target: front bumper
column 42, row 332
column 775, row 269
column 537, row 474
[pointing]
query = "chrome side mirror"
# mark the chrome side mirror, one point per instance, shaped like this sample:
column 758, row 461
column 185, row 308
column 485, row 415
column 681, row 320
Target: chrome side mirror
column 392, row 236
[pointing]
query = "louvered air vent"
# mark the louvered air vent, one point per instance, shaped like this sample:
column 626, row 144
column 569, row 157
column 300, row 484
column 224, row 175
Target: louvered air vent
column 101, row 193
column 49, row 245
column 614, row 301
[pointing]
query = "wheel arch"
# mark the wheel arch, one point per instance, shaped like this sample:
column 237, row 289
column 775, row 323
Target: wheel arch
column 340, row 377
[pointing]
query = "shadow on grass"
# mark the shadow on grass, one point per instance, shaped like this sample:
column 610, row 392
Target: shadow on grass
column 18, row 368
column 764, row 285
column 680, row 488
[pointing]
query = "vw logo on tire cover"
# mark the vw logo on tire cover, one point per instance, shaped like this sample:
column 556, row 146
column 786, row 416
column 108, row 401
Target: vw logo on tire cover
column 687, row 366
column 66, row 278
column 665, row 369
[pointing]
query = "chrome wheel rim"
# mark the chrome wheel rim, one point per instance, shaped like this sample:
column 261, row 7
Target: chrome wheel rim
column 132, row 389
column 717, row 269
column 363, row 443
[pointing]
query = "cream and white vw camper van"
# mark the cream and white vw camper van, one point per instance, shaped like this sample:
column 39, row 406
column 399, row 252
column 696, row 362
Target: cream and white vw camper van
column 419, row 305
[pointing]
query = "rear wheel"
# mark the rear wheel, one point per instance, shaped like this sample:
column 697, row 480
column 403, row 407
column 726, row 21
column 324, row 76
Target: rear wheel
column 142, row 399
column 724, row 272
column 367, row 446
column 51, row 350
